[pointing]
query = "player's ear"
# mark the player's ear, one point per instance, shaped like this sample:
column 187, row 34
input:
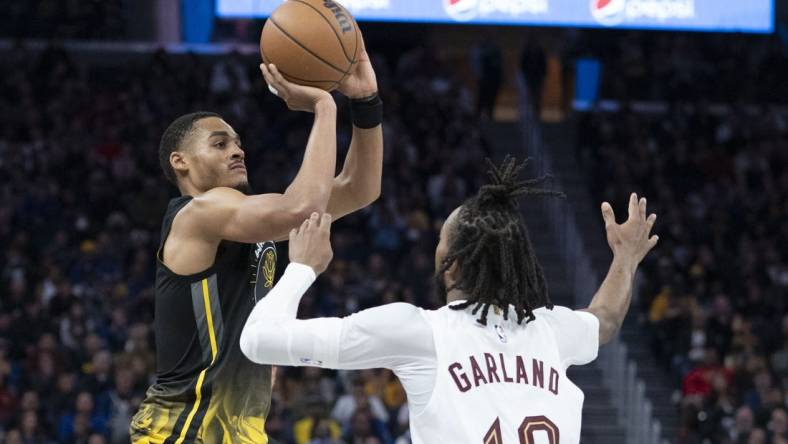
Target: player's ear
column 178, row 162
column 452, row 274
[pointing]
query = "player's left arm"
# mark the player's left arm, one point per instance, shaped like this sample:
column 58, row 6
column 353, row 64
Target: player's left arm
column 359, row 182
column 390, row 336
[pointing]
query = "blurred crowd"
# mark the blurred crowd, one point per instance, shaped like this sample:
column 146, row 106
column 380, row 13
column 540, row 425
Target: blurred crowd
column 81, row 201
column 686, row 67
column 69, row 19
column 714, row 294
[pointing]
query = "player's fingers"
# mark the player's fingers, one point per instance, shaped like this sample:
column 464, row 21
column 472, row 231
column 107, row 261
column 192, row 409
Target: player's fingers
column 633, row 205
column 314, row 221
column 293, row 234
column 650, row 222
column 304, row 226
column 266, row 73
column 608, row 215
column 325, row 222
column 276, row 81
column 642, row 209
column 277, row 75
column 653, row 241
column 269, row 80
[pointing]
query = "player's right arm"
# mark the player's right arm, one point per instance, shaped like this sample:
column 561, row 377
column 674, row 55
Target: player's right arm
column 227, row 214
column 224, row 213
column 630, row 242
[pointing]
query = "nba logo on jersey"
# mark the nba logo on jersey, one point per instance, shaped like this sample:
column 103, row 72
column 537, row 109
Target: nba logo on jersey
column 501, row 333
column 608, row 12
column 461, row 10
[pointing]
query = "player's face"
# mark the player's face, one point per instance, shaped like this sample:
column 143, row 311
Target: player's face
column 443, row 249
column 215, row 156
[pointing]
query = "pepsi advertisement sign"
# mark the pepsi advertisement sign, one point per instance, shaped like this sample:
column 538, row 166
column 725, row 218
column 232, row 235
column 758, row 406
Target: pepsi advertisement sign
column 755, row 16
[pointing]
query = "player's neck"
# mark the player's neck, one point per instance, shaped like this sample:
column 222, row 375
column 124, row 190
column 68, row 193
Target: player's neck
column 455, row 295
column 188, row 189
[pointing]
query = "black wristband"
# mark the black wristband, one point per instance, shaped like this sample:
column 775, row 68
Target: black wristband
column 367, row 113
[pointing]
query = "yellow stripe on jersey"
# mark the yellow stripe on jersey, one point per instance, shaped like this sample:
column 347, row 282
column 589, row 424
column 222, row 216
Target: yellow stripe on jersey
column 209, row 315
column 198, row 388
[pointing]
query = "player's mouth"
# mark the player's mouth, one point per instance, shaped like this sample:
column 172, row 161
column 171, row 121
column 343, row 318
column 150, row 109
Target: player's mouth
column 238, row 166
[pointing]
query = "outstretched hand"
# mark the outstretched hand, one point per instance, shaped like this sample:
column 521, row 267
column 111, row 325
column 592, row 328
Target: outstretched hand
column 631, row 240
column 310, row 243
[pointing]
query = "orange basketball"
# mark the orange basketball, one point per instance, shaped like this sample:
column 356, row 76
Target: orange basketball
column 311, row 42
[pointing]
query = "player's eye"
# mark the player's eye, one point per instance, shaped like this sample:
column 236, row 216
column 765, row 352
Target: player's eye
column 219, row 144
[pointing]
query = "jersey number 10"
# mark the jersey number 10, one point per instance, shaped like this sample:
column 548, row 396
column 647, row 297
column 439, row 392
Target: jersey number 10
column 528, row 427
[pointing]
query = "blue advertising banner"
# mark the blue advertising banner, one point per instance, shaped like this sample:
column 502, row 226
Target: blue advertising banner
column 701, row 15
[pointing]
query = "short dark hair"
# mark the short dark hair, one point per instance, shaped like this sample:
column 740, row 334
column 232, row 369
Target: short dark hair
column 489, row 242
column 173, row 137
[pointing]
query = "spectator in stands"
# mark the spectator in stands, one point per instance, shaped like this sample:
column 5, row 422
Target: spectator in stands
column 778, row 425
column 744, row 425
column 347, row 405
column 316, row 426
column 121, row 405
column 31, row 429
column 366, row 429
column 488, row 66
column 82, row 420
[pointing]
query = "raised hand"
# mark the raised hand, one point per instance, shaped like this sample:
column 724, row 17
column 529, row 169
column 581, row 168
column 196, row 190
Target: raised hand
column 361, row 82
column 310, row 244
column 297, row 97
column 631, row 240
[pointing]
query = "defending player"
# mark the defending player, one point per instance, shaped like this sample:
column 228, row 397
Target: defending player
column 217, row 257
column 499, row 377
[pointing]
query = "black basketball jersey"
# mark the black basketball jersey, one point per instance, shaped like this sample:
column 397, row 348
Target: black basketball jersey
column 206, row 390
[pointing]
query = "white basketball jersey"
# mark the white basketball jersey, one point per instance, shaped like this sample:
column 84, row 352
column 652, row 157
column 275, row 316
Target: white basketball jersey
column 506, row 383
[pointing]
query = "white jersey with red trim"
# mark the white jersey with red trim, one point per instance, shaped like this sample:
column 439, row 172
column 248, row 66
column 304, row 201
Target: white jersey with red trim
column 505, row 383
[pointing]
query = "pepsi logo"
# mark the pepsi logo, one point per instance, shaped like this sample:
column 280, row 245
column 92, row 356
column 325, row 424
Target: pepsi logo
column 461, row 10
column 608, row 12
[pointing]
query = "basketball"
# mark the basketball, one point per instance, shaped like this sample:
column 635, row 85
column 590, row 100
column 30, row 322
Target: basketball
column 311, row 42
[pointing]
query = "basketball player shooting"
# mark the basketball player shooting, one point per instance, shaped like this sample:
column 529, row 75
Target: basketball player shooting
column 490, row 366
column 217, row 256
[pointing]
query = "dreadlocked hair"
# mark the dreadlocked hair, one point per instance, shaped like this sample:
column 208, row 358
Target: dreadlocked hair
column 490, row 245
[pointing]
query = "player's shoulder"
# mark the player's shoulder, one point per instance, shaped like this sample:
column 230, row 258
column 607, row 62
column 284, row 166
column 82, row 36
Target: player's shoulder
column 557, row 313
column 398, row 315
column 557, row 310
column 398, row 310
column 214, row 203
column 561, row 315
column 216, row 198
column 444, row 314
column 201, row 216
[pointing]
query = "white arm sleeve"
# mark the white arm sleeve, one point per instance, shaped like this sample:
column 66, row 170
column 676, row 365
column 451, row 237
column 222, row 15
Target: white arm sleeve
column 271, row 330
column 386, row 336
column 576, row 333
column 394, row 336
